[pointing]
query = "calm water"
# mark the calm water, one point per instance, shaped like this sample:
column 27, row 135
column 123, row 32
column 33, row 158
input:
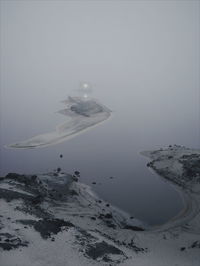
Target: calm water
column 108, row 150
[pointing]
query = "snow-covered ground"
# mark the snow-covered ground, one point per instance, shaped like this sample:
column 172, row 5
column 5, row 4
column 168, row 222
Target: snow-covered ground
column 84, row 113
column 52, row 219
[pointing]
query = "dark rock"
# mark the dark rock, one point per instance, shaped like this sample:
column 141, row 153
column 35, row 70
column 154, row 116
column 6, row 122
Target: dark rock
column 75, row 178
column 195, row 244
column 136, row 248
column 99, row 250
column 58, row 169
column 101, row 216
column 134, row 228
column 46, row 227
column 34, row 177
column 37, row 200
column 110, row 224
column 20, row 178
column 8, row 241
column 94, row 183
column 61, row 155
column 72, row 192
column 182, row 248
column 108, row 215
column 77, row 173
column 9, row 195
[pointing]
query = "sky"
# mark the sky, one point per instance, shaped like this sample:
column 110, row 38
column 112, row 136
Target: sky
column 142, row 57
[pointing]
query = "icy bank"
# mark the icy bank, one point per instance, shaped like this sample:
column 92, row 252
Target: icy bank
column 42, row 214
column 83, row 114
column 51, row 219
column 181, row 167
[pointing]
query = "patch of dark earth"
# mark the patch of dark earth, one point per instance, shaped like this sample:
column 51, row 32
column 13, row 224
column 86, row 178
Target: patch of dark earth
column 191, row 167
column 103, row 251
column 97, row 250
column 130, row 245
column 195, row 244
column 47, row 227
column 8, row 241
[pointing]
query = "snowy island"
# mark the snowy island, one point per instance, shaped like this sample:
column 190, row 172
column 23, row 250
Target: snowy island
column 84, row 113
column 53, row 219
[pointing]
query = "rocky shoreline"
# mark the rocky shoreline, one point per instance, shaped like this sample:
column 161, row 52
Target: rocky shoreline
column 57, row 202
column 53, row 219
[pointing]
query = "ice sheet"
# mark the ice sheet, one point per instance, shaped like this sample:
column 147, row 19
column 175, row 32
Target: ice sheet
column 83, row 113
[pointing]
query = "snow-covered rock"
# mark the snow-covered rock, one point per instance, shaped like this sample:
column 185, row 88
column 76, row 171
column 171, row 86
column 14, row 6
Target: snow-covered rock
column 53, row 220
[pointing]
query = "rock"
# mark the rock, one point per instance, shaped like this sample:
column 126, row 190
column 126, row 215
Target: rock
column 37, row 200
column 34, row 177
column 99, row 250
column 108, row 215
column 134, row 228
column 101, row 216
column 75, row 178
column 46, row 227
column 27, row 180
column 77, row 173
column 195, row 244
column 110, row 224
column 61, row 155
column 8, row 241
column 73, row 192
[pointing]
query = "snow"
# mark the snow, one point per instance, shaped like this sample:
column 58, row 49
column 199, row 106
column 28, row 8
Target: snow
column 172, row 244
column 83, row 114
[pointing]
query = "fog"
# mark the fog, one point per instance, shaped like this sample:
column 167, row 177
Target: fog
column 142, row 59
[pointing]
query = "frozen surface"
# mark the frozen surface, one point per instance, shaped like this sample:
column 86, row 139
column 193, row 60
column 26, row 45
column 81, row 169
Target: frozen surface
column 51, row 219
column 83, row 113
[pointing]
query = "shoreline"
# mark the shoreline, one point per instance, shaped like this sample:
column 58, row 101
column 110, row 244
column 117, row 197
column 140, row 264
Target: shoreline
column 190, row 209
column 78, row 118
column 43, row 212
column 62, row 139
column 181, row 194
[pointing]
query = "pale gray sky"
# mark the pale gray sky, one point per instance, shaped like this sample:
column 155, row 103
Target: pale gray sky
column 141, row 56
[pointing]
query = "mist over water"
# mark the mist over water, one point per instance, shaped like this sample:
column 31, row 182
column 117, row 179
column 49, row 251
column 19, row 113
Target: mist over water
column 142, row 59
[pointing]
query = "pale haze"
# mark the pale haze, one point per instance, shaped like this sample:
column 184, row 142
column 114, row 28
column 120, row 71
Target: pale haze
column 142, row 59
